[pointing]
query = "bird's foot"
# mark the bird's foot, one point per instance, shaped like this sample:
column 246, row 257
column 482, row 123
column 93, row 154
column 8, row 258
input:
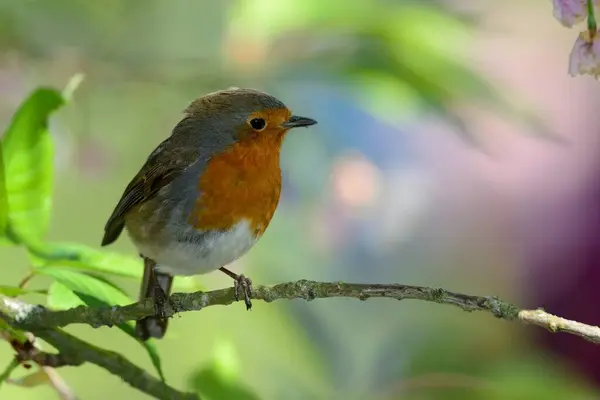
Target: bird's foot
column 162, row 302
column 244, row 284
column 240, row 283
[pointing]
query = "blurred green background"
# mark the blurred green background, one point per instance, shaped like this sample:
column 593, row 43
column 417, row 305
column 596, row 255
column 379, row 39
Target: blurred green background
column 431, row 143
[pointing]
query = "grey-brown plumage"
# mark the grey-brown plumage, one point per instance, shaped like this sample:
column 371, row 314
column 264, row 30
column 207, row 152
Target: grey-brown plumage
column 160, row 205
column 205, row 130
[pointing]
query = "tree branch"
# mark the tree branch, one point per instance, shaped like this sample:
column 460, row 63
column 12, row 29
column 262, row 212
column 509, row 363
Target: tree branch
column 114, row 363
column 74, row 351
column 44, row 323
column 309, row 290
column 303, row 289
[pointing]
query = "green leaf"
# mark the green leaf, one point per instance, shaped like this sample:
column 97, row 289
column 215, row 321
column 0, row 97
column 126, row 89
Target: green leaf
column 219, row 380
column 61, row 297
column 12, row 333
column 129, row 328
column 3, row 196
column 187, row 283
column 14, row 291
column 87, row 258
column 8, row 370
column 212, row 386
column 38, row 378
column 105, row 280
column 226, row 360
column 149, row 346
column 28, row 161
column 82, row 283
column 82, row 257
column 96, row 292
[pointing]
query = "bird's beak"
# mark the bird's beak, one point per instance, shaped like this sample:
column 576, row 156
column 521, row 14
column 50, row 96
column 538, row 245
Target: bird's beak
column 296, row 121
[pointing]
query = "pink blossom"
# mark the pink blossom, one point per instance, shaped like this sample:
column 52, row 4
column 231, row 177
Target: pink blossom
column 585, row 56
column 570, row 12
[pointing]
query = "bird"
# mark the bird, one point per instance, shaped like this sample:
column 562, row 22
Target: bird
column 205, row 195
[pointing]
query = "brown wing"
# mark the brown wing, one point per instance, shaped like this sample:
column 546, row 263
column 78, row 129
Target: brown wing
column 161, row 167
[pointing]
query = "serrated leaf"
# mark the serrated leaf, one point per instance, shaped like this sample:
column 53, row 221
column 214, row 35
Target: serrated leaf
column 98, row 293
column 28, row 161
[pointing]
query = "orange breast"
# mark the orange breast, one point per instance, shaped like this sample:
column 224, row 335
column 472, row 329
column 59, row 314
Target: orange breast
column 244, row 182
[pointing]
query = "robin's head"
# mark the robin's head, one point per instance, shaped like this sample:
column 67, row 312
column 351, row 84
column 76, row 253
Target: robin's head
column 245, row 113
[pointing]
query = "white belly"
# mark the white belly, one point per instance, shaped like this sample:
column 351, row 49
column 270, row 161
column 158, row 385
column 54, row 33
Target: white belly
column 205, row 252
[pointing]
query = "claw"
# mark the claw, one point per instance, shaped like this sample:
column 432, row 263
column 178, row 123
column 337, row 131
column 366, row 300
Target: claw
column 240, row 282
column 161, row 300
column 245, row 284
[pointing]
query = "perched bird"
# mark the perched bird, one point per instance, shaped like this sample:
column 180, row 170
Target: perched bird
column 206, row 194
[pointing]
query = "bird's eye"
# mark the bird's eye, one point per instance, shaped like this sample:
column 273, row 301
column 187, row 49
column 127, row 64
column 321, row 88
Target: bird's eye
column 258, row 124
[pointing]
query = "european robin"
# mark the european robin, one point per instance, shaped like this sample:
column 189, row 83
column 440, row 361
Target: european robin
column 206, row 194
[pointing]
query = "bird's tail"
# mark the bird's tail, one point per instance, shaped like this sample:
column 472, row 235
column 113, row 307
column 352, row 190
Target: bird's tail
column 158, row 286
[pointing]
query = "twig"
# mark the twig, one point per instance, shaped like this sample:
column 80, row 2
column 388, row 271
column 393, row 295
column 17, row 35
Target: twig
column 44, row 323
column 303, row 289
column 74, row 351
column 308, row 290
column 26, row 280
column 27, row 351
column 559, row 324
column 113, row 363
column 59, row 385
column 45, row 376
column 44, row 373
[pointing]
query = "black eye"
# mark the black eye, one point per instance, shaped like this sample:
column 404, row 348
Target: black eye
column 258, row 123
